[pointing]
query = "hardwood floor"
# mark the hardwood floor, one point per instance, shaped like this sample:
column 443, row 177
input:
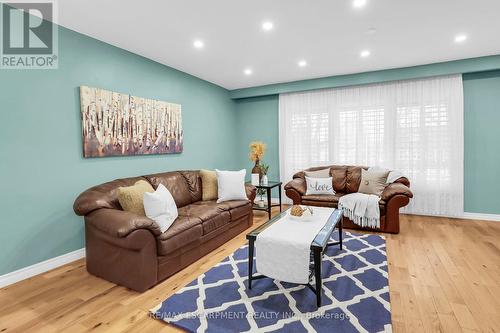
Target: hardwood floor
column 444, row 276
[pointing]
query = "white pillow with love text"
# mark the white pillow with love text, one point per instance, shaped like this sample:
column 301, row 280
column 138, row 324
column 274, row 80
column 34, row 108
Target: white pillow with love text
column 319, row 186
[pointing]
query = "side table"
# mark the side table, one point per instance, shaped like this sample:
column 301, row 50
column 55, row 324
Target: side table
column 268, row 188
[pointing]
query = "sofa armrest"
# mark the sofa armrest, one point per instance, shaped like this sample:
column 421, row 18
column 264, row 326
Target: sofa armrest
column 403, row 180
column 295, row 189
column 395, row 189
column 297, row 184
column 119, row 223
column 91, row 200
column 251, row 192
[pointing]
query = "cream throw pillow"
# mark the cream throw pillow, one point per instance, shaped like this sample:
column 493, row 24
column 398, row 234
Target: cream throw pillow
column 208, row 185
column 231, row 185
column 323, row 173
column 373, row 181
column 160, row 207
column 393, row 174
column 131, row 198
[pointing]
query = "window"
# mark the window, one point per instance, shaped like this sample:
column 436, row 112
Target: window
column 347, row 139
column 414, row 126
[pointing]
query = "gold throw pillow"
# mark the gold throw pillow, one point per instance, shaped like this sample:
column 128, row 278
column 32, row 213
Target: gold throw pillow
column 373, row 182
column 209, row 185
column 131, row 198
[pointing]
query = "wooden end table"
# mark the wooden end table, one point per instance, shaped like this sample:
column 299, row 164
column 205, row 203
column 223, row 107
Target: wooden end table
column 268, row 187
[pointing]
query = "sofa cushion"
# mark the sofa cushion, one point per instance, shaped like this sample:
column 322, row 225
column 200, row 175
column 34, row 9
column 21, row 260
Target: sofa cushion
column 216, row 222
column 234, row 204
column 353, row 178
column 236, row 208
column 181, row 224
column 339, row 174
column 215, row 215
column 226, row 205
column 330, row 204
column 194, row 183
column 240, row 211
column 176, row 183
column 204, row 210
column 333, row 202
column 184, row 230
column 323, row 197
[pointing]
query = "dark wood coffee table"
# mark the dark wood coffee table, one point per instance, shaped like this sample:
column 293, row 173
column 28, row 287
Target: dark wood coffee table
column 318, row 247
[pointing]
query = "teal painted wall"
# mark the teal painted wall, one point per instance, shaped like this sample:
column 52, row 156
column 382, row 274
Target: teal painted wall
column 42, row 169
column 257, row 120
column 482, row 141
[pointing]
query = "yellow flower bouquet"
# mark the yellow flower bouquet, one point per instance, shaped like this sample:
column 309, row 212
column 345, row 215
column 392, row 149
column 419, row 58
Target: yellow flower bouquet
column 257, row 151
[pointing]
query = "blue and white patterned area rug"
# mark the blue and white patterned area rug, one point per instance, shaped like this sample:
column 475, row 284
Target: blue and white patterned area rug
column 355, row 296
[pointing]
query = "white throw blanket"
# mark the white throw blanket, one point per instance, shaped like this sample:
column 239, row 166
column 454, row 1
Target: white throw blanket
column 362, row 209
column 283, row 250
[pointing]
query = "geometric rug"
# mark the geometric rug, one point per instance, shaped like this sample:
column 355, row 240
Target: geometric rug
column 355, row 295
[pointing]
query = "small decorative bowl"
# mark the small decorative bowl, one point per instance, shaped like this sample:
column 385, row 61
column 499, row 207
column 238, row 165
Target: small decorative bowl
column 307, row 215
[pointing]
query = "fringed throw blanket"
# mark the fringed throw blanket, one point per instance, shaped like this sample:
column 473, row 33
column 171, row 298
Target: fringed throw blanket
column 362, row 209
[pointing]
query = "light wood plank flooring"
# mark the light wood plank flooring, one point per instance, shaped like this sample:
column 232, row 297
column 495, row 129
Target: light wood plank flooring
column 444, row 276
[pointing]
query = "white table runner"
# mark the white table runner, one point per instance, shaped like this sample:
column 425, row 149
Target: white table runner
column 282, row 250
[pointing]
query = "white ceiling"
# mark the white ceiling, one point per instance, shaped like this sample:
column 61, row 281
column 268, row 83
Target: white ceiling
column 329, row 34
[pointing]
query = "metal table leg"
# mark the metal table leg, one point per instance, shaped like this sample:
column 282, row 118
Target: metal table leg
column 317, row 275
column 250, row 262
column 340, row 233
column 279, row 195
column 269, row 202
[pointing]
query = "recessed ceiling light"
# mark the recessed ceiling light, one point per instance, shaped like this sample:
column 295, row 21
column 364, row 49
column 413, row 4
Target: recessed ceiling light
column 267, row 26
column 247, row 71
column 302, row 63
column 460, row 38
column 365, row 53
column 198, row 44
column 359, row 3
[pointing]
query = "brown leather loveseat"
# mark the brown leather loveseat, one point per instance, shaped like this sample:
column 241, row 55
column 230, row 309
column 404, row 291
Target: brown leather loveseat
column 130, row 250
column 346, row 179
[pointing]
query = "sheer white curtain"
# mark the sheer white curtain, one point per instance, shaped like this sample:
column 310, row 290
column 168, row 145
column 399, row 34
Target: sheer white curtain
column 414, row 126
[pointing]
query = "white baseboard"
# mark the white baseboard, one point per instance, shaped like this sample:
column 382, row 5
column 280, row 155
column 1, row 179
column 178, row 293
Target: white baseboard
column 465, row 216
column 481, row 216
column 41, row 267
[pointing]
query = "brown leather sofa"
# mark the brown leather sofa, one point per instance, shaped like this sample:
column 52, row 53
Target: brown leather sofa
column 346, row 179
column 130, row 250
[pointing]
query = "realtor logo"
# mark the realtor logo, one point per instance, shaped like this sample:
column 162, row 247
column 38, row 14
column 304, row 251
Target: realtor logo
column 28, row 36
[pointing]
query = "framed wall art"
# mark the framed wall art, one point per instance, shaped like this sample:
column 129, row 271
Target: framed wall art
column 120, row 124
